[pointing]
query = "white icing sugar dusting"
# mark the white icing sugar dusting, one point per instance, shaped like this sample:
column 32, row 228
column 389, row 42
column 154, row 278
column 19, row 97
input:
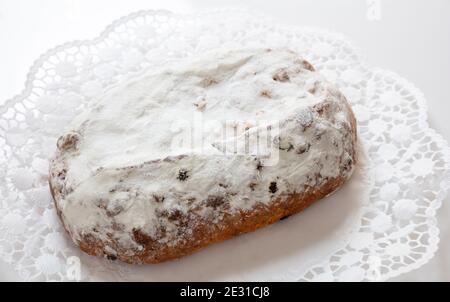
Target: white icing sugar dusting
column 118, row 169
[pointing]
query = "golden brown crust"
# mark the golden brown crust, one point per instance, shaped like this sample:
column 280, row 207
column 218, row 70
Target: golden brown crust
column 206, row 233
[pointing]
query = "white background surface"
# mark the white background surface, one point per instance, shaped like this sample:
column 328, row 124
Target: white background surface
column 411, row 38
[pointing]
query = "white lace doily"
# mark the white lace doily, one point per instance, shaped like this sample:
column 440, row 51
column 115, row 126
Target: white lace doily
column 379, row 225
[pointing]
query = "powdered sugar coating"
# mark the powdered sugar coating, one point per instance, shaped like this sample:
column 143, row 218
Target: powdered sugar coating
column 117, row 172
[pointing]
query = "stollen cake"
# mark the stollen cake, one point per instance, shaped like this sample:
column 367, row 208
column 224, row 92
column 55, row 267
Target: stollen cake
column 132, row 181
